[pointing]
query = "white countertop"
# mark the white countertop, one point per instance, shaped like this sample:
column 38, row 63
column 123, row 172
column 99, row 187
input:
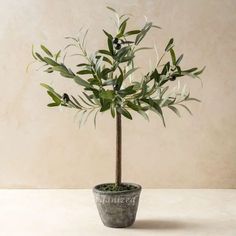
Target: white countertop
column 176, row 212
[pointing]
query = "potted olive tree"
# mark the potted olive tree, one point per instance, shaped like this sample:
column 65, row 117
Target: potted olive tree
column 106, row 83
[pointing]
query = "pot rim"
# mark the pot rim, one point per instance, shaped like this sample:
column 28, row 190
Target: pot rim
column 137, row 189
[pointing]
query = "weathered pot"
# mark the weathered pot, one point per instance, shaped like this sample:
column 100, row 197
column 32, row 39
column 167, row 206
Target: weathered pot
column 117, row 209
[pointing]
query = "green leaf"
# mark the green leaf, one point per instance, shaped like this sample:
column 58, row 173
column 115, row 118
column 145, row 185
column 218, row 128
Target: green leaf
column 133, row 106
column 163, row 91
column 169, row 45
column 58, row 55
column 109, row 82
column 142, row 48
column 39, row 57
column 82, row 64
column 49, row 70
column 104, row 72
column 54, row 97
column 132, row 32
column 50, row 61
column 105, row 52
column 119, row 80
column 46, row 51
column 125, row 59
column 175, row 110
column 127, row 91
column 166, row 68
column 190, row 70
column 173, row 57
column 105, row 105
column 178, row 69
column 110, row 46
column 47, row 87
column 124, row 112
column 84, row 72
column 155, row 26
column 187, row 109
column 60, row 68
column 107, row 95
column 179, row 59
column 130, row 72
column 193, row 99
column 200, row 71
column 122, row 53
column 113, row 112
column 143, row 33
column 155, row 75
column 154, row 106
column 122, row 28
column 52, row 104
column 81, row 98
column 111, row 9
column 108, row 35
column 77, row 102
column 89, row 98
column 81, row 82
column 64, row 71
column 144, row 114
column 67, row 75
column 105, row 59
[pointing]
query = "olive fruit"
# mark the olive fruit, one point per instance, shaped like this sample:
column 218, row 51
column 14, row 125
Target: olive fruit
column 118, row 46
column 173, row 78
column 116, row 40
column 65, row 97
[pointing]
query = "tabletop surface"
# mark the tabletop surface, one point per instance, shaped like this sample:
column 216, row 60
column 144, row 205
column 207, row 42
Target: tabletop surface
column 71, row 212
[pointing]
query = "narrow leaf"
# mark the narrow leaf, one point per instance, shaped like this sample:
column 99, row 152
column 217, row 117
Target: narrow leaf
column 50, row 61
column 130, row 72
column 54, row 97
column 175, row 110
column 179, row 59
column 46, row 51
column 111, row 9
column 187, row 109
column 110, row 46
column 132, row 32
column 53, row 104
column 81, row 82
column 200, row 71
column 84, row 72
column 173, row 57
column 108, row 35
column 58, row 55
column 169, row 45
column 124, row 112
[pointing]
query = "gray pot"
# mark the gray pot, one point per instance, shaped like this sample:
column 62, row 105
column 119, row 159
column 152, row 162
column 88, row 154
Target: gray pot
column 117, row 209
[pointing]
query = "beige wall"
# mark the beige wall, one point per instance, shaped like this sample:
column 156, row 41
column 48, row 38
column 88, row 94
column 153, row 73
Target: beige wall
column 42, row 147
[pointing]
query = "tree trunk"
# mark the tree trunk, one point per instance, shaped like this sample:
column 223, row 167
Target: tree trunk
column 118, row 148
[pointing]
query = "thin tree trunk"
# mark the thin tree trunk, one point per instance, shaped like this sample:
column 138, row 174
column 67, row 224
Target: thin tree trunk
column 118, row 148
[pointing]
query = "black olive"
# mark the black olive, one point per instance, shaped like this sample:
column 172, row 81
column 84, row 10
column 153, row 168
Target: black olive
column 173, row 78
column 116, row 40
column 65, row 97
column 118, row 46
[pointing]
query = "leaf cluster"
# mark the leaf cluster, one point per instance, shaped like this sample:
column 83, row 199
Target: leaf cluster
column 104, row 75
